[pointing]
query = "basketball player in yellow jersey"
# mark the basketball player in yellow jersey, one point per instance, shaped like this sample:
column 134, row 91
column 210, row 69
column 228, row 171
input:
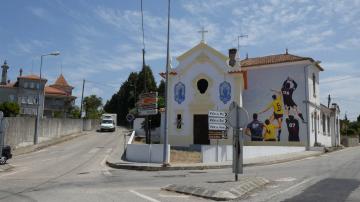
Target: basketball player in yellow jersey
column 269, row 134
column 278, row 113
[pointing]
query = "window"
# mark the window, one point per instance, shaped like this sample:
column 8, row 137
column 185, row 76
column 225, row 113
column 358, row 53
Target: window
column 323, row 123
column 23, row 100
column 32, row 85
column 313, row 122
column 30, row 100
column 26, row 84
column 202, row 85
column 37, row 86
column 178, row 121
column 12, row 98
column 314, row 84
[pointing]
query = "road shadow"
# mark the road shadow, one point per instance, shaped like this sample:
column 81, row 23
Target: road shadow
column 328, row 190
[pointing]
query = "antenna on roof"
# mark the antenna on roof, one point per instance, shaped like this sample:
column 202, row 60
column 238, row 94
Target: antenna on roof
column 61, row 67
column 32, row 66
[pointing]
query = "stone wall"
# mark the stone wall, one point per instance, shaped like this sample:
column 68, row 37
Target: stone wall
column 350, row 141
column 19, row 131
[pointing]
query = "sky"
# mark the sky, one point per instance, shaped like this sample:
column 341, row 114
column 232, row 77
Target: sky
column 101, row 40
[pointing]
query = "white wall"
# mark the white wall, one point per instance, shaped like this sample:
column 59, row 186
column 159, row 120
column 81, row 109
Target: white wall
column 215, row 72
column 145, row 153
column 225, row 152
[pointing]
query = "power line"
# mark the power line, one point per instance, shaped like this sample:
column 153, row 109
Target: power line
column 342, row 79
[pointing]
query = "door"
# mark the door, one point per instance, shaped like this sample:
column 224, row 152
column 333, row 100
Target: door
column 201, row 131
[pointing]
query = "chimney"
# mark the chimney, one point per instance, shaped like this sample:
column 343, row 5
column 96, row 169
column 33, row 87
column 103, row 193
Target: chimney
column 247, row 56
column 8, row 81
column 20, row 72
column 329, row 100
column 286, row 51
column 5, row 68
column 232, row 56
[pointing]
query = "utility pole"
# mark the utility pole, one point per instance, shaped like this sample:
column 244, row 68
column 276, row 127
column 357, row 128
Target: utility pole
column 165, row 154
column 82, row 98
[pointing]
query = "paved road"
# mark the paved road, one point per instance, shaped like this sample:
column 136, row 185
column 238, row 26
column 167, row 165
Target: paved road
column 75, row 171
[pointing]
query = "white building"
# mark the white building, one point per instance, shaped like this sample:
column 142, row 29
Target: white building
column 203, row 81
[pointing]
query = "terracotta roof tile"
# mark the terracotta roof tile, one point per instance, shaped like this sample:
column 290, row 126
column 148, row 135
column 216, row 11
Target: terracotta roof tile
column 52, row 90
column 61, row 81
column 33, row 77
column 272, row 59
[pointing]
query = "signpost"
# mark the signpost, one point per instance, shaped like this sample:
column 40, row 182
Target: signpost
column 147, row 105
column 238, row 118
column 217, row 127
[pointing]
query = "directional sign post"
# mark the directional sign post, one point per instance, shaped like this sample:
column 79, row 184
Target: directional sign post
column 238, row 117
column 217, row 124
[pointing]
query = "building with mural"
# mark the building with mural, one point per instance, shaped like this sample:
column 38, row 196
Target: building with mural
column 55, row 99
column 282, row 90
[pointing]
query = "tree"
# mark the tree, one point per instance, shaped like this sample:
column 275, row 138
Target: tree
column 146, row 75
column 124, row 100
column 161, row 88
column 92, row 105
column 74, row 112
column 10, row 108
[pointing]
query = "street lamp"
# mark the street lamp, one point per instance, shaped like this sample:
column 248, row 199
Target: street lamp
column 37, row 120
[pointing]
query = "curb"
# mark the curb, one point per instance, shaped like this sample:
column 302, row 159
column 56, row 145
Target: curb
column 246, row 185
column 48, row 143
column 5, row 167
column 131, row 166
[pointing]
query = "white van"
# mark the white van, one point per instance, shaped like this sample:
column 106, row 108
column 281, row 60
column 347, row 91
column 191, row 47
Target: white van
column 107, row 125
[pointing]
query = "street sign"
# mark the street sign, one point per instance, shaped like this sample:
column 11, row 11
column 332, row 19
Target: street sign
column 217, row 114
column 148, row 112
column 217, row 120
column 217, row 127
column 147, row 104
column 217, row 135
column 130, row 117
column 238, row 116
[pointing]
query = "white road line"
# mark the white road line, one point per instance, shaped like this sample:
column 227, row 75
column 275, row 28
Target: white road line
column 286, row 179
column 11, row 173
column 108, row 151
column 288, row 189
column 106, row 172
column 93, row 151
column 143, row 196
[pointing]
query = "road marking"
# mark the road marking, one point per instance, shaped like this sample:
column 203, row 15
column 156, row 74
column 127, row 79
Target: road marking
column 288, row 189
column 93, row 150
column 308, row 158
column 11, row 173
column 108, row 151
column 286, row 179
column 106, row 172
column 143, row 196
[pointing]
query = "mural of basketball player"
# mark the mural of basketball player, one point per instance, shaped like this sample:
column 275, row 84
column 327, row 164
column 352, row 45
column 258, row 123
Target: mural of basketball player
column 287, row 91
column 269, row 134
column 278, row 113
column 293, row 128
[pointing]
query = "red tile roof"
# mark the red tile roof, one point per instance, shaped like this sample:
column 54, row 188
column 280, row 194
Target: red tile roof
column 8, row 85
column 33, row 77
column 273, row 59
column 61, row 81
column 52, row 90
